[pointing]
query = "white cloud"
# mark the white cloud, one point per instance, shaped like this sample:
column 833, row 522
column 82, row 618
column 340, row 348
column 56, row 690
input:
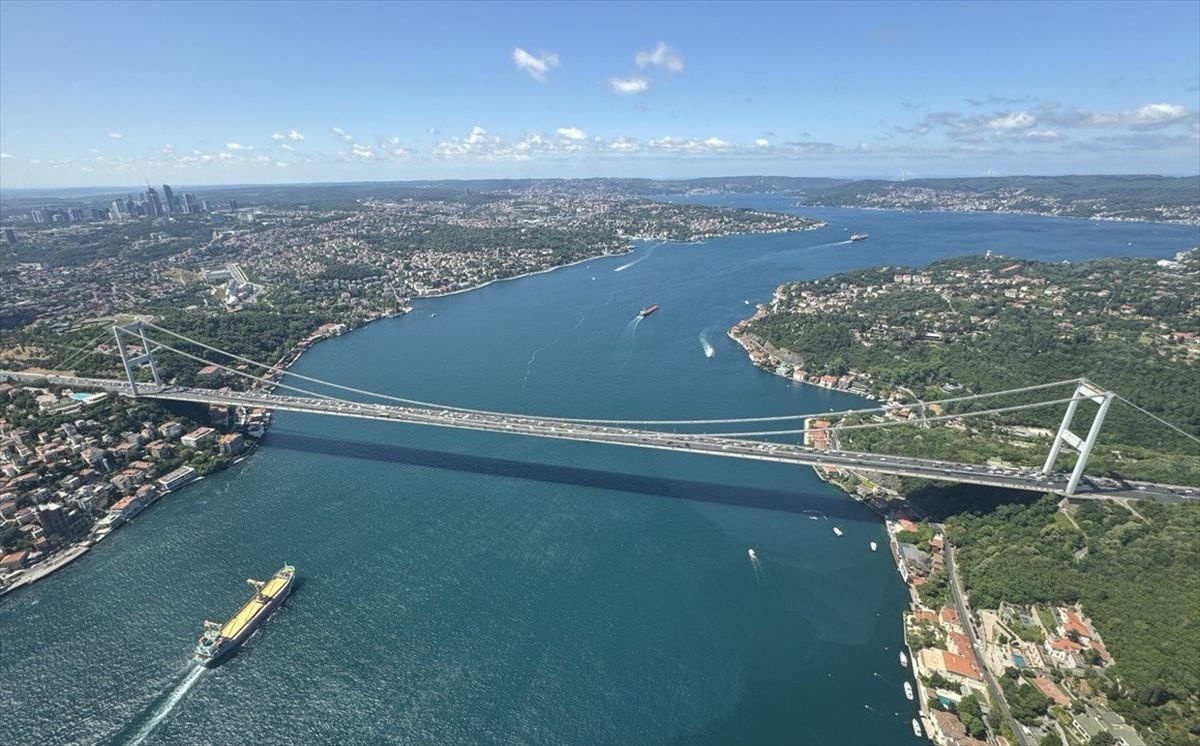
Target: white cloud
column 362, row 151
column 624, row 145
column 1152, row 114
column 572, row 133
column 225, row 156
column 1013, row 120
column 278, row 137
column 536, row 65
column 234, row 146
column 478, row 143
column 1041, row 135
column 115, row 135
column 294, row 135
column 693, row 145
column 1147, row 116
column 3, row 156
column 763, row 142
column 662, row 56
column 629, row 85
column 343, row 135
column 285, row 146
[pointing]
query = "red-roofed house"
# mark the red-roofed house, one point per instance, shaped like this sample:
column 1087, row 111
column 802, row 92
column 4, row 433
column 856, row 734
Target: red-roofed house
column 961, row 665
column 1064, row 652
column 957, row 642
column 1072, row 623
column 949, row 619
column 14, row 561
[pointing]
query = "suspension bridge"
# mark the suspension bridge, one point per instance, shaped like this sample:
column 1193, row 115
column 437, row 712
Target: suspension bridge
column 138, row 343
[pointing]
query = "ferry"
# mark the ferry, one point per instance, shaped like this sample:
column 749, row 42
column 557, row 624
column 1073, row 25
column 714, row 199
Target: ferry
column 916, row 728
column 648, row 310
column 837, row 531
column 859, row 236
column 220, row 640
column 903, row 659
column 908, row 692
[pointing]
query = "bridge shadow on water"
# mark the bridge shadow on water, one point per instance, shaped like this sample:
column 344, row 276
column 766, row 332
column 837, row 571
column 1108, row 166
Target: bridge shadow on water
column 680, row 489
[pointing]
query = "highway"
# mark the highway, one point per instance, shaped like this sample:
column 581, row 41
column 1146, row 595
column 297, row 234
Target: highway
column 712, row 445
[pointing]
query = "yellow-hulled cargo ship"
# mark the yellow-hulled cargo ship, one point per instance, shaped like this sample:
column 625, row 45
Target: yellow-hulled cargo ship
column 219, row 640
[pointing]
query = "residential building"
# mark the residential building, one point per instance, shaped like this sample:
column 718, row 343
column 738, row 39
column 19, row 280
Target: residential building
column 198, row 437
column 178, row 478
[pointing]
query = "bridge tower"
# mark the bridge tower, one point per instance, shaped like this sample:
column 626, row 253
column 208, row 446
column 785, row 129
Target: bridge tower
column 1084, row 390
column 138, row 332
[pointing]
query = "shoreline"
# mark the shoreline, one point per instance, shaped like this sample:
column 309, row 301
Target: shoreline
column 1026, row 213
column 629, row 250
column 280, row 369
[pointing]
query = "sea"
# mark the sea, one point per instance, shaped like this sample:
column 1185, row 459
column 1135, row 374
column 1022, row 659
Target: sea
column 459, row 587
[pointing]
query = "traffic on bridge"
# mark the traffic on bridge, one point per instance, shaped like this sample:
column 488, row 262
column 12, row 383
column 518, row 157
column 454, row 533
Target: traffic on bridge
column 712, row 445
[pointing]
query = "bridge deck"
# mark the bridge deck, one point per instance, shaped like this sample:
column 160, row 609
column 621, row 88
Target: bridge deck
column 712, row 445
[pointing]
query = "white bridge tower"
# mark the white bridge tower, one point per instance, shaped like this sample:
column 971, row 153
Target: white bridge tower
column 1084, row 390
column 130, row 362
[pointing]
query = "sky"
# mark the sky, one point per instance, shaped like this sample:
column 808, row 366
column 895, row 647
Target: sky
column 99, row 93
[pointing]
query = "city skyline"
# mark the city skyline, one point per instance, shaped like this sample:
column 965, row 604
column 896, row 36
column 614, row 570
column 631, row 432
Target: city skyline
column 404, row 92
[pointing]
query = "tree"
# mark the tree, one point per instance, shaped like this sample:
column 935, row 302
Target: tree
column 1050, row 739
column 1103, row 738
column 970, row 712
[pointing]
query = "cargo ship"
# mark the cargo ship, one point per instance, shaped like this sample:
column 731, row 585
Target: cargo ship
column 648, row 310
column 859, row 236
column 219, row 640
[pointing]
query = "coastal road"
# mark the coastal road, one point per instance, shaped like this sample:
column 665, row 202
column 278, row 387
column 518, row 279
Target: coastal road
column 964, row 616
column 705, row 444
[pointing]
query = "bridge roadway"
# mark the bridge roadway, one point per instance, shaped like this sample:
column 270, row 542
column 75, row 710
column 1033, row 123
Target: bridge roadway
column 713, row 445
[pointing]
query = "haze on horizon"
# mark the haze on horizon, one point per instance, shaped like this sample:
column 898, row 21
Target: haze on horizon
column 98, row 94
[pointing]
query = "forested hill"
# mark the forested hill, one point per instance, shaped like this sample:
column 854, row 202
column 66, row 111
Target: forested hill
column 1157, row 198
column 992, row 323
column 1136, row 574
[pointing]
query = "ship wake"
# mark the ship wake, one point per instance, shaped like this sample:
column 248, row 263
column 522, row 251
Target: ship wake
column 640, row 259
column 754, row 563
column 163, row 707
column 706, row 345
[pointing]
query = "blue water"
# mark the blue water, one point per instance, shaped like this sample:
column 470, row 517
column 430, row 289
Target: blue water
column 462, row 587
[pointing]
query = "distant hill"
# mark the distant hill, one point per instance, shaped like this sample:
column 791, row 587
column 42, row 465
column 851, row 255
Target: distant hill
column 346, row 195
column 1160, row 198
